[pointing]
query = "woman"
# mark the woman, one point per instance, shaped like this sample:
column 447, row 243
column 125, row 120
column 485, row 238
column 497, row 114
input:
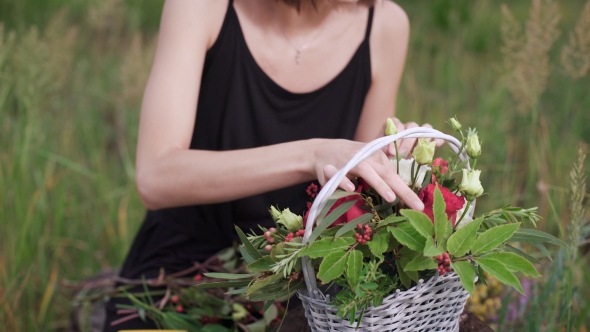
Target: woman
column 285, row 91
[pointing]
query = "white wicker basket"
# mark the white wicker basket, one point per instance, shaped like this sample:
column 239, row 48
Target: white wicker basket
column 434, row 305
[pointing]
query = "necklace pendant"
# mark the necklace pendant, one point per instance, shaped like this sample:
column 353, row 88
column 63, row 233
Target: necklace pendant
column 298, row 57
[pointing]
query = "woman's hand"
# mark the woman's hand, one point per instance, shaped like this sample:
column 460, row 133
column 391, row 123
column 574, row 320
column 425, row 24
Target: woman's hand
column 406, row 146
column 377, row 170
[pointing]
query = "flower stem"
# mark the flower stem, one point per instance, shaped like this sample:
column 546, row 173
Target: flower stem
column 396, row 157
column 463, row 214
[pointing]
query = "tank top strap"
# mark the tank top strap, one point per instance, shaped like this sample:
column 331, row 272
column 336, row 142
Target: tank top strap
column 369, row 23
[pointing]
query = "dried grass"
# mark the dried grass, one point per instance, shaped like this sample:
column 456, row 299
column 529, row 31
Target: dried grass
column 525, row 51
column 575, row 57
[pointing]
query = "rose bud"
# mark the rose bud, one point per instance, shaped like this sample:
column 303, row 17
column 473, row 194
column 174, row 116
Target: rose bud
column 473, row 148
column 424, row 152
column 456, row 125
column 470, row 186
column 290, row 220
column 390, row 128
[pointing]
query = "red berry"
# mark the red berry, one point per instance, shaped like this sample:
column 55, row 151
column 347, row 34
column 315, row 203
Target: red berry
column 447, row 261
column 179, row 308
column 174, row 299
column 441, row 273
column 268, row 247
column 444, row 170
column 267, row 234
column 199, row 277
column 445, row 255
column 437, row 162
column 270, row 240
column 439, row 258
column 359, row 226
column 433, row 179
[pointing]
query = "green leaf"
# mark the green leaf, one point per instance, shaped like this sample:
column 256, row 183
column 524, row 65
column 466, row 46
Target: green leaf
column 515, row 263
column 420, row 263
column 493, row 237
column 326, row 246
column 405, row 279
column 230, row 276
column 441, row 221
column 379, row 242
column 329, row 219
column 247, row 245
column 338, row 194
column 533, row 235
column 466, row 273
column 461, row 241
column 543, row 249
column 430, row 249
column 408, row 236
column 365, row 218
column 270, row 314
column 260, row 283
column 332, row 266
column 247, row 257
column 390, row 220
column 420, row 221
column 224, row 284
column 354, row 267
column 499, row 271
column 521, row 254
column 277, row 293
column 262, row 264
column 267, row 305
column 238, row 291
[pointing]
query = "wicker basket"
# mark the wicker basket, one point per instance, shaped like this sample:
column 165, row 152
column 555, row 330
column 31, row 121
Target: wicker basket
column 434, row 305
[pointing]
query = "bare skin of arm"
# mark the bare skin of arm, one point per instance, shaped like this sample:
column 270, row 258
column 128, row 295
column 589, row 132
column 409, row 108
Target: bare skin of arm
column 169, row 174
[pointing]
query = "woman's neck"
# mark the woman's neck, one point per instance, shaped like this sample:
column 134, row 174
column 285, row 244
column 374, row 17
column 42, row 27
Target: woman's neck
column 300, row 23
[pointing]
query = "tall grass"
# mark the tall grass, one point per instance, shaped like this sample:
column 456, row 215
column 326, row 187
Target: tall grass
column 71, row 78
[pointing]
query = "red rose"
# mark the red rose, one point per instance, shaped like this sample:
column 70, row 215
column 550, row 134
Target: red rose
column 453, row 202
column 354, row 212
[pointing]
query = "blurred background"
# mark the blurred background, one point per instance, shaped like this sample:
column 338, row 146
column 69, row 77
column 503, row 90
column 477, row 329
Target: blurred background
column 72, row 74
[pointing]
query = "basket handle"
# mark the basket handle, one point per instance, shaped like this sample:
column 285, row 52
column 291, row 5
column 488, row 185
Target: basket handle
column 331, row 186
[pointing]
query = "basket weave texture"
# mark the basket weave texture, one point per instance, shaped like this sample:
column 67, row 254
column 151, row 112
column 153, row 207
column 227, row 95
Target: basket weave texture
column 434, row 305
column 431, row 306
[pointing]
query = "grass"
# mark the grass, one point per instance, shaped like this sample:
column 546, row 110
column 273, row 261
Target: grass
column 70, row 91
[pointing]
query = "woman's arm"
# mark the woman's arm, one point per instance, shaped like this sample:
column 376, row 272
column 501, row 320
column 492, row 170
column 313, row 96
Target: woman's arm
column 169, row 174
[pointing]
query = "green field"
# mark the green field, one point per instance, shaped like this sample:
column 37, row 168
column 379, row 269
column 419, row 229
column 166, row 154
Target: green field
column 71, row 80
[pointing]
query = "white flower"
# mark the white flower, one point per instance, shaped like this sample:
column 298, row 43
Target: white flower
column 405, row 171
column 470, row 185
column 468, row 216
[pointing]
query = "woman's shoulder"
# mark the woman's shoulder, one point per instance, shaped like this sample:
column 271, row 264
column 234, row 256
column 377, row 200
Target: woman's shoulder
column 390, row 20
column 190, row 18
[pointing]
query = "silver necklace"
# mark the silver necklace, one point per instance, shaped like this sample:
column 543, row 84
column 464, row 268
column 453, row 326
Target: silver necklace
column 298, row 49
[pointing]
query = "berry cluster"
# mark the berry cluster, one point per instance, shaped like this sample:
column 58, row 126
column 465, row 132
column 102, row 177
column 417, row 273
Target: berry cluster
column 439, row 167
column 312, row 190
column 364, row 234
column 268, row 234
column 444, row 263
column 290, row 236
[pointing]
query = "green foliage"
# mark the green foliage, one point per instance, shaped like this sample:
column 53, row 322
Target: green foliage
column 463, row 239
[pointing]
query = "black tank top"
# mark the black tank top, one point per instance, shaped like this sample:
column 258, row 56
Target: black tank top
column 240, row 107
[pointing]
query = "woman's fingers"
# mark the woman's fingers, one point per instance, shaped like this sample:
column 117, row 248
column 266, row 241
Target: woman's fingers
column 345, row 183
column 393, row 181
column 439, row 142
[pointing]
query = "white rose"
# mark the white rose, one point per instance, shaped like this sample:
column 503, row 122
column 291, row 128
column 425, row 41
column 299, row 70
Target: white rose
column 470, row 185
column 405, row 171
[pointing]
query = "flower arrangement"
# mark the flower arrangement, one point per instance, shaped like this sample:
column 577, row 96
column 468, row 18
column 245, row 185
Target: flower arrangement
column 367, row 247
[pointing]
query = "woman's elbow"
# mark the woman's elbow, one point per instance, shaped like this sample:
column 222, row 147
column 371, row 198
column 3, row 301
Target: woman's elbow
column 148, row 190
